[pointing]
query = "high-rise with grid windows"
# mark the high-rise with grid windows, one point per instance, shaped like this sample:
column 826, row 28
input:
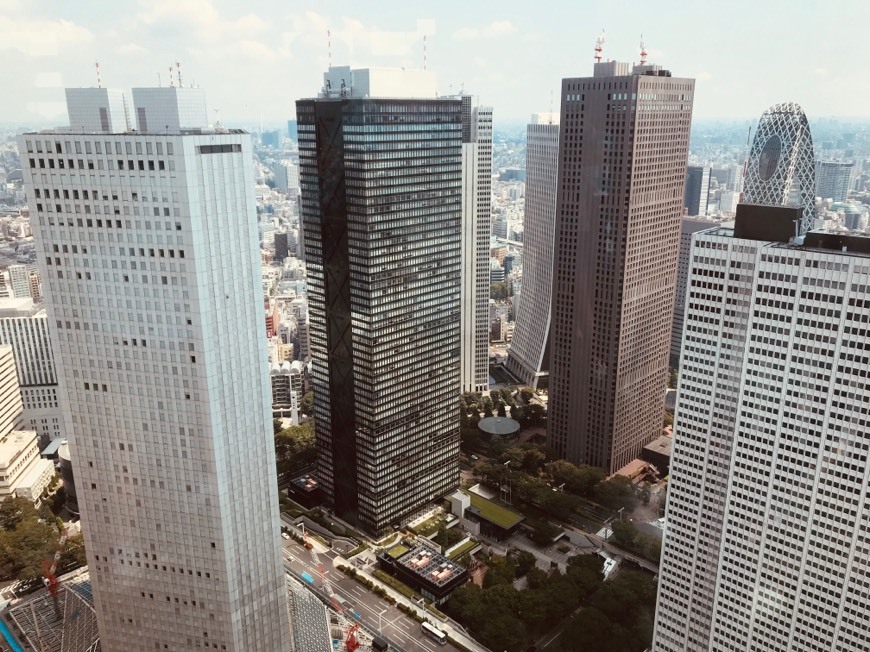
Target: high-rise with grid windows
column 622, row 167
column 767, row 544
column 148, row 252
column 381, row 169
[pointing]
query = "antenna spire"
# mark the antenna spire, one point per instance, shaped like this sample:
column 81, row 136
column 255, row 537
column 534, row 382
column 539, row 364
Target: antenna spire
column 599, row 47
column 178, row 69
column 171, row 79
column 99, row 80
column 425, row 52
column 329, row 46
column 643, row 51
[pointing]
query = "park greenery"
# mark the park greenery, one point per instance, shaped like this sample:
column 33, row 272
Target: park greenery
column 504, row 618
column 29, row 536
column 627, row 536
column 499, row 291
column 295, row 447
column 618, row 617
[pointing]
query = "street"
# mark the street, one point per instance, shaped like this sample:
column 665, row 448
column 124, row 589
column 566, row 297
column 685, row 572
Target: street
column 375, row 612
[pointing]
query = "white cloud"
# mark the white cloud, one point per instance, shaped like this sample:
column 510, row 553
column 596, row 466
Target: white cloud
column 35, row 37
column 48, row 80
column 131, row 49
column 493, row 30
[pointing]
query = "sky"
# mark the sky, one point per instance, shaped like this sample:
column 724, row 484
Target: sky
column 255, row 58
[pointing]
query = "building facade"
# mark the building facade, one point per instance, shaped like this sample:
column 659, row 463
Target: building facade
column 529, row 353
column 381, row 183
column 688, row 227
column 832, row 179
column 622, row 166
column 697, row 189
column 24, row 327
column 19, row 278
column 768, row 516
column 152, row 281
column 476, row 230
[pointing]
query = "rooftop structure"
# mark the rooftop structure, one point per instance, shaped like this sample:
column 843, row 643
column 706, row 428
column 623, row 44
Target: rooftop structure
column 425, row 570
column 495, row 519
column 310, row 620
column 503, row 426
column 343, row 82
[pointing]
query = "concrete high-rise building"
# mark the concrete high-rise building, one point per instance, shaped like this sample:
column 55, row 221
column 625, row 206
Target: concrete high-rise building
column 24, row 327
column 381, row 180
column 282, row 248
column 19, row 278
column 35, row 286
column 697, row 189
column 622, row 168
column 688, row 227
column 529, row 353
column 149, row 270
column 476, row 230
column 767, row 516
column 832, row 179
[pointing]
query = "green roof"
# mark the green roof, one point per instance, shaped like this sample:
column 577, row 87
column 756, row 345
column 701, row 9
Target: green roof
column 397, row 551
column 495, row 513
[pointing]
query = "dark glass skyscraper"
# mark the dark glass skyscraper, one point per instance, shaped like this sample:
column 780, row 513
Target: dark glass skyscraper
column 381, row 184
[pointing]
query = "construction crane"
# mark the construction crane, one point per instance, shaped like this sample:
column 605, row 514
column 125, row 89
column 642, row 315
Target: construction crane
column 49, row 567
column 351, row 644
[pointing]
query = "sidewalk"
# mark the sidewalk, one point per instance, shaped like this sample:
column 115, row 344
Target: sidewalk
column 452, row 628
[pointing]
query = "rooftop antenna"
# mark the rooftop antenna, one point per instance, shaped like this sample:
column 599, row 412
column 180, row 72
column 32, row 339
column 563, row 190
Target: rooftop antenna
column 99, row 80
column 178, row 69
column 551, row 106
column 329, row 46
column 599, row 47
column 425, row 52
column 159, row 81
column 171, row 81
column 643, row 51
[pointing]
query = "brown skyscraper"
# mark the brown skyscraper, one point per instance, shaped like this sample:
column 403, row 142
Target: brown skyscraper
column 622, row 169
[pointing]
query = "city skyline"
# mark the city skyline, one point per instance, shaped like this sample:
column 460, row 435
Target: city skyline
column 513, row 61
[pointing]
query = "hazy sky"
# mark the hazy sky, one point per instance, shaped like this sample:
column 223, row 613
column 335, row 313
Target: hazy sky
column 256, row 58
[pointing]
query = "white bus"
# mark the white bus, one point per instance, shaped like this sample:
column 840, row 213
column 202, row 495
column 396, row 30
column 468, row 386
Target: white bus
column 434, row 633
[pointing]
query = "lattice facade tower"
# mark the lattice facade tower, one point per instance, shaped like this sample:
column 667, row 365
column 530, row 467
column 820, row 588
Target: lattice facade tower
column 781, row 168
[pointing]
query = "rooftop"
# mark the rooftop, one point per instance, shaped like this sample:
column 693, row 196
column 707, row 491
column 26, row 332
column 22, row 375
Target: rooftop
column 430, row 565
column 663, row 445
column 499, row 426
column 493, row 512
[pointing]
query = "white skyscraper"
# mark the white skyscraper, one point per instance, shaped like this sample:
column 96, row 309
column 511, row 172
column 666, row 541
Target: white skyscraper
column 24, row 327
column 768, row 517
column 19, row 278
column 147, row 246
column 529, row 353
column 476, row 209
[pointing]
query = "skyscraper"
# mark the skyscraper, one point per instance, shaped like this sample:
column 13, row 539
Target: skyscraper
column 767, row 517
column 697, row 189
column 24, row 327
column 476, row 228
column 147, row 246
column 622, row 167
column 832, row 179
column 381, row 183
column 19, row 277
column 780, row 170
column 529, row 353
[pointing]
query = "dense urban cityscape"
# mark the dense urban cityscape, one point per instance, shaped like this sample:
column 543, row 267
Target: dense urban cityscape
column 399, row 373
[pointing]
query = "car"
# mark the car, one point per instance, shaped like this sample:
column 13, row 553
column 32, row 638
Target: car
column 474, row 458
column 284, row 535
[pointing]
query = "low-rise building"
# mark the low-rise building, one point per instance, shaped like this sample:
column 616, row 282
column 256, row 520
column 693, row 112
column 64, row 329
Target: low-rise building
column 433, row 575
column 23, row 472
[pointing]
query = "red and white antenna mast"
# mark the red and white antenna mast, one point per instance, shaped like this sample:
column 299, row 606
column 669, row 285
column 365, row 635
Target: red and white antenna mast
column 643, row 51
column 171, row 79
column 599, row 47
column 425, row 52
column 178, row 70
column 99, row 80
column 329, row 46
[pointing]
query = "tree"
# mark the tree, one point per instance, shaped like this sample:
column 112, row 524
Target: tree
column 501, row 409
column 15, row 510
column 616, row 493
column 525, row 562
column 672, row 379
column 579, row 480
column 669, row 419
column 498, row 291
column 535, row 414
column 544, row 533
column 295, row 448
column 500, row 570
column 487, row 406
column 624, row 534
column 306, row 403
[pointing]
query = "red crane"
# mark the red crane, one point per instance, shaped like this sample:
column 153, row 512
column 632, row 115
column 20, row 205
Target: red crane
column 351, row 644
column 49, row 566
